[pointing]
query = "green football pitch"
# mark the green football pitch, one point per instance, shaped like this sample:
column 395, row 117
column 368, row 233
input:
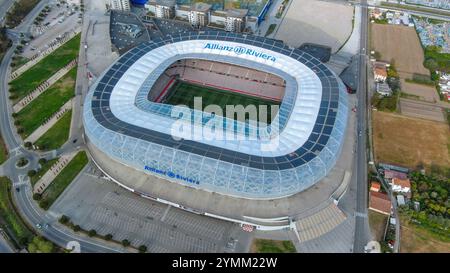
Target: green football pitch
column 183, row 93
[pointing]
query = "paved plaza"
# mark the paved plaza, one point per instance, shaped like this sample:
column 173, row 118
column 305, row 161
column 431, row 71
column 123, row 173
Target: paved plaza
column 108, row 208
column 320, row 22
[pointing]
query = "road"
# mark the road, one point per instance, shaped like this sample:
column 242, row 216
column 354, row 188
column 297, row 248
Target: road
column 405, row 9
column 5, row 247
column 5, row 5
column 22, row 193
column 360, row 172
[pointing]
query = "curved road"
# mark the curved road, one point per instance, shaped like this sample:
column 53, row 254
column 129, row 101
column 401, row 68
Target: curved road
column 22, row 193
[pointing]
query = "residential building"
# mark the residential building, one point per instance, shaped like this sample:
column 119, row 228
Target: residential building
column 383, row 89
column 444, row 84
column 182, row 12
column 218, row 18
column 401, row 200
column 236, row 20
column 161, row 8
column 380, row 202
column 199, row 13
column 389, row 174
column 400, row 185
column 376, row 13
column 375, row 186
column 380, row 73
column 231, row 20
column 123, row 5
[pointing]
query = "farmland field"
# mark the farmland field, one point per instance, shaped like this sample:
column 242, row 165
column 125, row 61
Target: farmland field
column 415, row 239
column 401, row 44
column 409, row 141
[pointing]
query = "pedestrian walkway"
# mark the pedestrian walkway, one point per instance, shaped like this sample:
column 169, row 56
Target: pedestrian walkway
column 49, row 123
column 39, row 56
column 319, row 223
column 51, row 174
column 44, row 86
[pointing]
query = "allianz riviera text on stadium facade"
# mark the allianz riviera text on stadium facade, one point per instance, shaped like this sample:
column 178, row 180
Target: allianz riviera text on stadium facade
column 121, row 122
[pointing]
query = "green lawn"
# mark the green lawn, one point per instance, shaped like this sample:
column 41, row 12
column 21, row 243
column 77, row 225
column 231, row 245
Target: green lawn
column 272, row 246
column 3, row 151
column 43, row 70
column 44, row 168
column 435, row 60
column 377, row 222
column 63, row 180
column 48, row 103
column 9, row 219
column 56, row 136
column 183, row 93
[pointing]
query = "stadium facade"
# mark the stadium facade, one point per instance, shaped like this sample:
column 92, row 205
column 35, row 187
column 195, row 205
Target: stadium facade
column 129, row 128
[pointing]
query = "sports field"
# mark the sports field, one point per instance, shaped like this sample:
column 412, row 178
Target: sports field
column 183, row 93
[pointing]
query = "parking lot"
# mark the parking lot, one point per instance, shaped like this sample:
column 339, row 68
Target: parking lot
column 60, row 20
column 127, row 31
column 108, row 208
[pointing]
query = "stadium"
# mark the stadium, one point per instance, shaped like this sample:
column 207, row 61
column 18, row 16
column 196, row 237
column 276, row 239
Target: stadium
column 128, row 116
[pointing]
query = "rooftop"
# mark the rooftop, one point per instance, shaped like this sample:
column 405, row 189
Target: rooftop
column 380, row 71
column 238, row 13
column 380, row 202
column 375, row 186
column 167, row 3
column 254, row 7
column 201, row 7
column 388, row 174
column 404, row 183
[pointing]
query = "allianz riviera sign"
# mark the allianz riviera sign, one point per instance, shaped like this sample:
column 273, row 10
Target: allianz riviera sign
column 239, row 50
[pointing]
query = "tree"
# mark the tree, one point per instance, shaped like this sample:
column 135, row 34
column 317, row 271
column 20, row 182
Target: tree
column 22, row 162
column 37, row 196
column 108, row 237
column 125, row 243
column 40, row 245
column 28, row 145
column 42, row 161
column 377, row 55
column 44, row 204
column 431, row 64
column 142, row 249
column 64, row 219
column 92, row 233
column 32, row 173
column 76, row 228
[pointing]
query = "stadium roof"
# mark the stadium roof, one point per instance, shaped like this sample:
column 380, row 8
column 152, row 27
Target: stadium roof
column 310, row 141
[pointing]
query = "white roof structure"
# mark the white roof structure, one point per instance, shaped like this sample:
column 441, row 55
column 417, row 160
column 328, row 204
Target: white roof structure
column 121, row 121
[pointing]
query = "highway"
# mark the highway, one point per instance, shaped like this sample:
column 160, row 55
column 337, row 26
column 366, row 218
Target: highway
column 405, row 9
column 360, row 170
column 22, row 193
